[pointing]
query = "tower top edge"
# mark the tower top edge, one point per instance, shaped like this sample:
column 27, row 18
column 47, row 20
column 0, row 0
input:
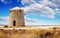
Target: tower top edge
column 15, row 8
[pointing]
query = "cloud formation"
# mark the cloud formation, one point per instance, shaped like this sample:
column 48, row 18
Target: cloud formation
column 4, row 20
column 46, row 8
column 6, row 1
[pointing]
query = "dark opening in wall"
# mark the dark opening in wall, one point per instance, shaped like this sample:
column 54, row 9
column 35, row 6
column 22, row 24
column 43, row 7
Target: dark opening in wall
column 5, row 26
column 14, row 23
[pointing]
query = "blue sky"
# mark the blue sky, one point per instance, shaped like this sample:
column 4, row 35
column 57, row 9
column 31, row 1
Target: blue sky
column 36, row 12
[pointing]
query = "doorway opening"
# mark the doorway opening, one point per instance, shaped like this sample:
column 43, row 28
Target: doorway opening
column 14, row 23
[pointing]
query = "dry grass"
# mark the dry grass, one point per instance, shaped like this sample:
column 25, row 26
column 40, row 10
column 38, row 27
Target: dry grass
column 30, row 33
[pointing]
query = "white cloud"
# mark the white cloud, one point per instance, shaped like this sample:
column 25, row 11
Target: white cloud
column 57, row 10
column 45, row 7
column 27, row 19
column 28, row 2
column 4, row 20
column 34, row 22
column 2, row 0
column 40, row 9
column 6, row 1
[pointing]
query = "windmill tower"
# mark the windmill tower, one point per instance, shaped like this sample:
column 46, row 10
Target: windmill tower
column 16, row 17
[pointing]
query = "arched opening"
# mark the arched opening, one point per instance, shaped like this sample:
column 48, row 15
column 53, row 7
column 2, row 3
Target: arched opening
column 14, row 23
column 5, row 26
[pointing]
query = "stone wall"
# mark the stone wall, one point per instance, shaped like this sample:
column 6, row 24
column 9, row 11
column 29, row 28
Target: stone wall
column 17, row 16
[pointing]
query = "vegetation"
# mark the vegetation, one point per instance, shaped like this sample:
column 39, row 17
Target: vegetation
column 30, row 33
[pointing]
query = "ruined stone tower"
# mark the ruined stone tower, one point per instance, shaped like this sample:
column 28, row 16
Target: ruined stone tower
column 16, row 17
